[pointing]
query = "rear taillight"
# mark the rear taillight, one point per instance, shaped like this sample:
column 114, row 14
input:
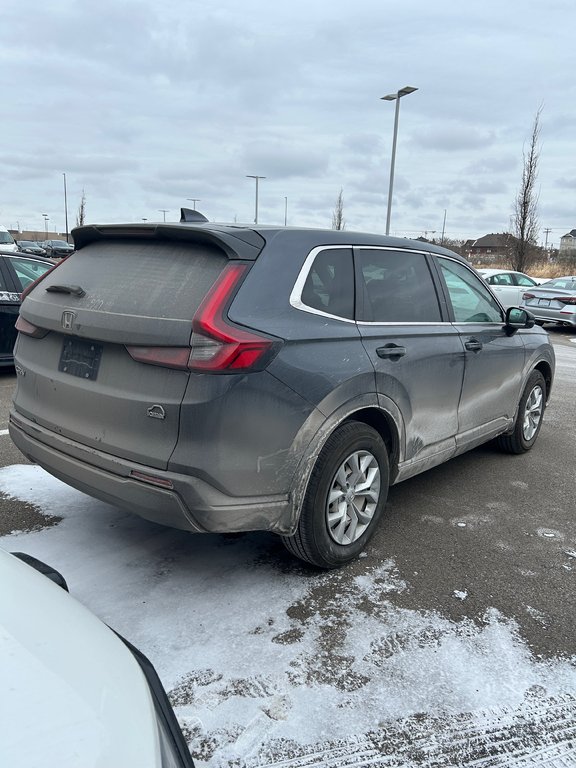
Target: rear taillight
column 23, row 326
column 168, row 357
column 566, row 299
column 216, row 346
column 527, row 296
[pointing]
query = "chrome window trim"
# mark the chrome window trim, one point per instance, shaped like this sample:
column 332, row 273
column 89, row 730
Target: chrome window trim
column 390, row 248
column 296, row 294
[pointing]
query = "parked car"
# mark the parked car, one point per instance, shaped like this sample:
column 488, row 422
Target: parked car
column 29, row 246
column 17, row 271
column 57, row 249
column 508, row 285
column 553, row 302
column 230, row 378
column 7, row 242
column 90, row 697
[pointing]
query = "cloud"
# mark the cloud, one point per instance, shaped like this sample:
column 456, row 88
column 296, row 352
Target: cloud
column 453, row 137
column 284, row 160
column 167, row 102
column 565, row 183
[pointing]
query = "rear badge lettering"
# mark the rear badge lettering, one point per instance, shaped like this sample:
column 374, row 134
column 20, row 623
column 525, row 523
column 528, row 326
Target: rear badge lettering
column 156, row 412
column 8, row 296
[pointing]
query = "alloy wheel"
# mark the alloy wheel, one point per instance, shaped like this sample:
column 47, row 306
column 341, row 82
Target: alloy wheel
column 532, row 413
column 353, row 497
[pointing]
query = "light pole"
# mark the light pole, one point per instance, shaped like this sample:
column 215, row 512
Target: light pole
column 65, row 206
column 285, row 210
column 163, row 211
column 194, row 200
column 46, row 219
column 394, row 97
column 257, row 178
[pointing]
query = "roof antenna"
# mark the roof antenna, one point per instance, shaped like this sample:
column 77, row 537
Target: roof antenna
column 186, row 214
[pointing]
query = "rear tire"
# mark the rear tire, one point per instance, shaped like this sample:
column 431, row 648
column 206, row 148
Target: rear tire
column 529, row 418
column 345, row 497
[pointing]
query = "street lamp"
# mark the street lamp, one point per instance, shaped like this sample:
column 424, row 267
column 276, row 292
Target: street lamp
column 257, row 178
column 394, row 97
column 194, row 200
column 65, row 206
column 46, row 220
column 163, row 211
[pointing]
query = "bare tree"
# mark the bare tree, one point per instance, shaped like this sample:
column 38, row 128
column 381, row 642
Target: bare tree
column 81, row 215
column 525, row 218
column 452, row 244
column 338, row 214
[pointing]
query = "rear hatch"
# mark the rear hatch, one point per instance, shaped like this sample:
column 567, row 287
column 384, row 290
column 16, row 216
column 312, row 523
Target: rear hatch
column 80, row 380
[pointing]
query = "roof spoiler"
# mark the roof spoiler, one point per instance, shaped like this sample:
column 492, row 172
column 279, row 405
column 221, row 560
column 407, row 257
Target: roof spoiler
column 187, row 215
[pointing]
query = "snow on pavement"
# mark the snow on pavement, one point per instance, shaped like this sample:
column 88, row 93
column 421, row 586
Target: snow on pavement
column 269, row 663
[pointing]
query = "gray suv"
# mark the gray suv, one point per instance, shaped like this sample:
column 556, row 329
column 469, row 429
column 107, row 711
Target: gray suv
column 232, row 378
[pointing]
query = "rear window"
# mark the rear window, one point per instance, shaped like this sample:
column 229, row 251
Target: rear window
column 28, row 270
column 561, row 282
column 152, row 279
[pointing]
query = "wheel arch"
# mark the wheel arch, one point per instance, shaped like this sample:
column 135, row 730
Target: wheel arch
column 386, row 427
column 546, row 371
column 388, row 424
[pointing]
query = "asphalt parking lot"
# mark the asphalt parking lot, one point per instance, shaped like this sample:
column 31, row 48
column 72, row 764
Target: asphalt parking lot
column 473, row 567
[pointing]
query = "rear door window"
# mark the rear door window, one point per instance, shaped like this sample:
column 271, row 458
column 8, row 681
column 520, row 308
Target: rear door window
column 523, row 280
column 504, row 278
column 396, row 287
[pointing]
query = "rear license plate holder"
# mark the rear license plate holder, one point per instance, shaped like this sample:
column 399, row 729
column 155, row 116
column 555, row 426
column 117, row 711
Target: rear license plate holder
column 543, row 302
column 80, row 358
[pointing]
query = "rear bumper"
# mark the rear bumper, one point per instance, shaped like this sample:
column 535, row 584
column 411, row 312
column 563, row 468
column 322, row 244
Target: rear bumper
column 190, row 504
column 552, row 315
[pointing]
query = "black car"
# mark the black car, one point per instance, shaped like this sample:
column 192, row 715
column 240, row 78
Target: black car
column 29, row 246
column 17, row 271
column 57, row 248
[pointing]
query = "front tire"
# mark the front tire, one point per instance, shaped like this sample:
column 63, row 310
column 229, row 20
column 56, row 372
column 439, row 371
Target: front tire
column 529, row 417
column 345, row 497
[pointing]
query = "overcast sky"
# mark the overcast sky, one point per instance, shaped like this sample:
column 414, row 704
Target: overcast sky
column 145, row 104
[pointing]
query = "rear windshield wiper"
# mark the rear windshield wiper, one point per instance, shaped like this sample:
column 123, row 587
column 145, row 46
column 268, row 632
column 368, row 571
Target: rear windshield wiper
column 75, row 290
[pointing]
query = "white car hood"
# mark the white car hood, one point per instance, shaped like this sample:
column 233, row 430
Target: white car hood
column 72, row 693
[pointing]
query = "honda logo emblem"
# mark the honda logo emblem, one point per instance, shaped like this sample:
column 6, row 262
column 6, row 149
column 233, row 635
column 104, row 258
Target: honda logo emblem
column 67, row 320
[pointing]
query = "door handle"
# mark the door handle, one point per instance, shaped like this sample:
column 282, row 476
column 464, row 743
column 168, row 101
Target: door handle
column 391, row 352
column 473, row 345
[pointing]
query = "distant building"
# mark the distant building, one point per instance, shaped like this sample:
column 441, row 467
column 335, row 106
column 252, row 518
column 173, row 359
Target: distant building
column 493, row 247
column 568, row 242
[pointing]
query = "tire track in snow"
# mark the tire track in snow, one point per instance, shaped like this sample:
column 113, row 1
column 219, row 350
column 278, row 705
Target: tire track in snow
column 540, row 732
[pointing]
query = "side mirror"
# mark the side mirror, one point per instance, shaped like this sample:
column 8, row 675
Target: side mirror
column 518, row 318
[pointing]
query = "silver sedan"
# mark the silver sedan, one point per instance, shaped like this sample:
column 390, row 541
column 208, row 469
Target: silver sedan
column 553, row 302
